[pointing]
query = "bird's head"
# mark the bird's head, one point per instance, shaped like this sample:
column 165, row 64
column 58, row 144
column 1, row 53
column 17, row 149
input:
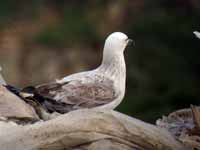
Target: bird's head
column 117, row 42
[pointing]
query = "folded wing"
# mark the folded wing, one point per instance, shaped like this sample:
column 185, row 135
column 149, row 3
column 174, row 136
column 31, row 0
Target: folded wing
column 77, row 94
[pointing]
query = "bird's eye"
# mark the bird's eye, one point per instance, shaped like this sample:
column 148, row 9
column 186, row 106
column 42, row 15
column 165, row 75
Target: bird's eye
column 126, row 39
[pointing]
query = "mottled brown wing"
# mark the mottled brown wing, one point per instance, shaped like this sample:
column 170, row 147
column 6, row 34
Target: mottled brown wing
column 79, row 95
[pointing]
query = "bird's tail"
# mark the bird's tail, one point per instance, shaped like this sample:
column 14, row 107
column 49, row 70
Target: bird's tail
column 13, row 89
column 30, row 93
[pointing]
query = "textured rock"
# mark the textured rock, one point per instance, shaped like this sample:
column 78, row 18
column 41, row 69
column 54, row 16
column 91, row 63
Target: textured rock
column 13, row 107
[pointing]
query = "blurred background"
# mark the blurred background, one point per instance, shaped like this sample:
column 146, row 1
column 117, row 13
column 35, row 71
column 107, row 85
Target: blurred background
column 41, row 40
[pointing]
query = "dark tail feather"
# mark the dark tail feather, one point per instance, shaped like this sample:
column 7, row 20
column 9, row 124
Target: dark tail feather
column 29, row 89
column 50, row 105
column 13, row 89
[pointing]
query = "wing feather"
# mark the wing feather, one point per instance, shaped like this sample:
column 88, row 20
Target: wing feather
column 77, row 94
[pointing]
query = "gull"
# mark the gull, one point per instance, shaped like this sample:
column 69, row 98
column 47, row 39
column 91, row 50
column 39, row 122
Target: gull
column 197, row 34
column 103, row 87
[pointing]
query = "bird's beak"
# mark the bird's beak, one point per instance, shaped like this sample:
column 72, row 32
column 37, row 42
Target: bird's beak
column 130, row 42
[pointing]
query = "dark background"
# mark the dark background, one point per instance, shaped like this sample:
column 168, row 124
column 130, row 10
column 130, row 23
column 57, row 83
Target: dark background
column 41, row 40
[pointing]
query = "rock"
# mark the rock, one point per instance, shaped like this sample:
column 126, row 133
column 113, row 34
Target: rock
column 14, row 108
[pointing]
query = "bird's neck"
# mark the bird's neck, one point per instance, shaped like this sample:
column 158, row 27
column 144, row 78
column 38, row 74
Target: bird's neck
column 113, row 65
